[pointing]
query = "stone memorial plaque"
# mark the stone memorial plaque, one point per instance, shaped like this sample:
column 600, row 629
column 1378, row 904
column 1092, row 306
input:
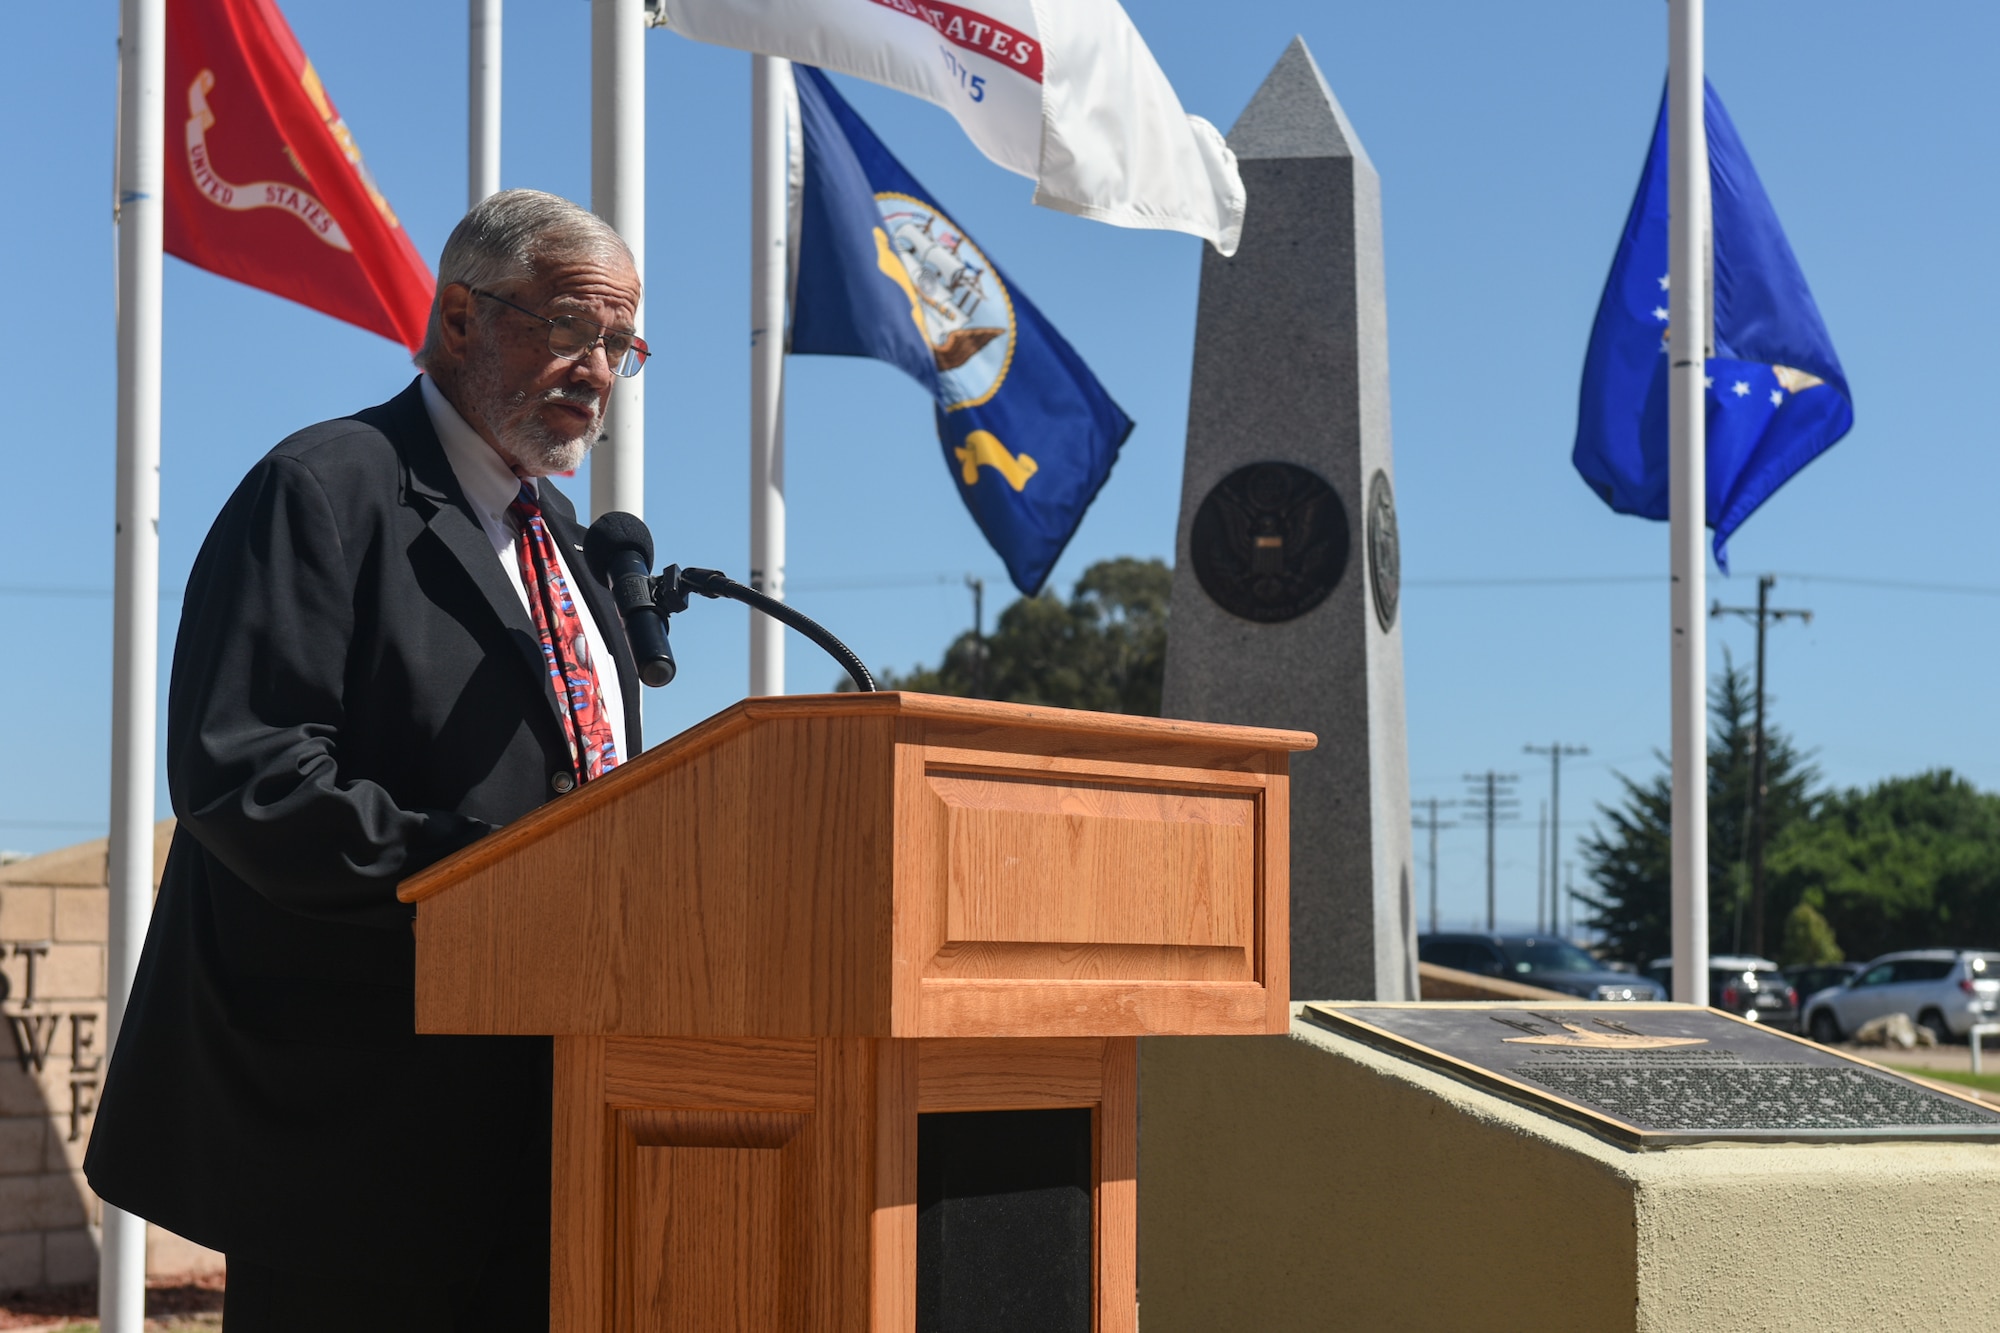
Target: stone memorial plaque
column 1655, row 1075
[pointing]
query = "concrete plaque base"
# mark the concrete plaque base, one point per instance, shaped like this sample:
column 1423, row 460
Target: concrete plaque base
column 1315, row 1181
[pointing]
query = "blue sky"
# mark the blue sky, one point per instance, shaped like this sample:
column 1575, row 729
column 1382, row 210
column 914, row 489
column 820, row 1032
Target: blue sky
column 1509, row 139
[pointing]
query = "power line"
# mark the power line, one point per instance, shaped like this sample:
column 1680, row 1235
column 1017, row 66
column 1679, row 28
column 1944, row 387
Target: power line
column 26, row 590
column 888, row 582
column 867, row 583
column 1896, row 585
column 1492, row 800
column 79, row 594
column 1552, row 581
column 1587, row 580
column 878, row 582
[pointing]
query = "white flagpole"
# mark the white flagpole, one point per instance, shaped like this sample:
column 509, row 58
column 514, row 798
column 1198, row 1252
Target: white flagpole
column 769, row 283
column 618, row 195
column 1687, row 349
column 482, row 121
column 135, row 613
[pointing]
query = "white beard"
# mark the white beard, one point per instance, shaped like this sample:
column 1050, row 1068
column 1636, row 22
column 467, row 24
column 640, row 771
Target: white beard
column 525, row 440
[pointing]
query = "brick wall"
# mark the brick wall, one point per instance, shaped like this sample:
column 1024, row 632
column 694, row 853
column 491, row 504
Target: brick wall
column 53, row 912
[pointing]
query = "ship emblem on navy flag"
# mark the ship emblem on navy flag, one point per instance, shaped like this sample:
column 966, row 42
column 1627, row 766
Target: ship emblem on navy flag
column 957, row 301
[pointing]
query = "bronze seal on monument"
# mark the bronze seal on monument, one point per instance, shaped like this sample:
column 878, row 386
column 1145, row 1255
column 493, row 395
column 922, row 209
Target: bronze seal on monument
column 1385, row 551
column 1269, row 542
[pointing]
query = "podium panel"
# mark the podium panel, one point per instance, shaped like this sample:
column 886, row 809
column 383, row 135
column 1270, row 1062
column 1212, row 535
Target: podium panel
column 1162, row 882
column 768, row 948
column 704, row 1202
column 719, row 1185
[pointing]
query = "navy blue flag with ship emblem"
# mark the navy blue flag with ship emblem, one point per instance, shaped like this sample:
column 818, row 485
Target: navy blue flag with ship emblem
column 1029, row 435
column 1777, row 397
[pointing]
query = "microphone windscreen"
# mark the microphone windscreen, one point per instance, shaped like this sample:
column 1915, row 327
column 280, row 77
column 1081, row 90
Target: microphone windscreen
column 614, row 532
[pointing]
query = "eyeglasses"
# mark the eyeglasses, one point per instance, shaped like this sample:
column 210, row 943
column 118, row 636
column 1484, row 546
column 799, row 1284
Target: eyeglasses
column 571, row 338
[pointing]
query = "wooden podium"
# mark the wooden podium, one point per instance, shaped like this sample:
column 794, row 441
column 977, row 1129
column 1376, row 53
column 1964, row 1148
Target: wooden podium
column 768, row 946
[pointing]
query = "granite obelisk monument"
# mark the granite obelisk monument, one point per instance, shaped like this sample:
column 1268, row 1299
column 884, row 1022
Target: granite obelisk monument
column 1286, row 569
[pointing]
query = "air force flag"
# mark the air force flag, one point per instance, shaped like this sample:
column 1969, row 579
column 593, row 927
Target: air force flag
column 881, row 271
column 1777, row 397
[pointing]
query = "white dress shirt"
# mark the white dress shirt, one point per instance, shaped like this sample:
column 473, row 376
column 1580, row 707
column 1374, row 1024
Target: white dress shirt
column 491, row 486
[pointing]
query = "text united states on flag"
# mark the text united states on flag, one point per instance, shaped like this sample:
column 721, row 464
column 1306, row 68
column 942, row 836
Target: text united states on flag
column 975, row 32
column 1066, row 94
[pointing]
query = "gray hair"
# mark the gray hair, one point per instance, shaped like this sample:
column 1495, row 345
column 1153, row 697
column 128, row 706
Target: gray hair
column 506, row 238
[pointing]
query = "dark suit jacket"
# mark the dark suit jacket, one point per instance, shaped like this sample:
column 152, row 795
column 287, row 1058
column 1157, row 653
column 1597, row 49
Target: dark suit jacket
column 357, row 692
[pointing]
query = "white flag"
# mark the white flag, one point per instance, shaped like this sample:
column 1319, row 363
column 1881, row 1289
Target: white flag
column 1062, row 91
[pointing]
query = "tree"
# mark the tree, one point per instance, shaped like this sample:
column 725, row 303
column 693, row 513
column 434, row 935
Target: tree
column 1909, row 863
column 1629, row 855
column 1105, row 649
column 1809, row 940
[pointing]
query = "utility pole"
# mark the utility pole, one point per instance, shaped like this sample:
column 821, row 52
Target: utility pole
column 1555, row 750
column 1569, row 895
column 1761, row 616
column 1493, row 798
column 978, row 586
column 1544, row 903
column 1431, row 825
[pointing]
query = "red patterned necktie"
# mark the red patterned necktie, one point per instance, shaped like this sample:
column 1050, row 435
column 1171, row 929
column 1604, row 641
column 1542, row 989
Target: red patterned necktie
column 592, row 750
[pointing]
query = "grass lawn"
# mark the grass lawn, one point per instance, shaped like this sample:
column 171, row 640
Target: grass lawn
column 1983, row 1082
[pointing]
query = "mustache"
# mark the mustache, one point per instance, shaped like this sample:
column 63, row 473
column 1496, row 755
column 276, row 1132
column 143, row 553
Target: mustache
column 574, row 396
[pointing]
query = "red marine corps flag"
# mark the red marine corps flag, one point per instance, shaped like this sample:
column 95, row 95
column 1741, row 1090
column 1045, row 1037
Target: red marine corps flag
column 266, row 185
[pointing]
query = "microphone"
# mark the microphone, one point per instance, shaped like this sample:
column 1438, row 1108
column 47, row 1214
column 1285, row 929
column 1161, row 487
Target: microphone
column 619, row 550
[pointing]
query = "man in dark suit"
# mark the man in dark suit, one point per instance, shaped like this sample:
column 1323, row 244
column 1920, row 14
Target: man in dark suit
column 379, row 661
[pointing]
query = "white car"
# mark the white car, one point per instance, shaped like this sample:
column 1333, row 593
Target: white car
column 1945, row 990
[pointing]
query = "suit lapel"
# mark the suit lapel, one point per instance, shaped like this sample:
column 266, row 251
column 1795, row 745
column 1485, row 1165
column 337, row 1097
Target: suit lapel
column 435, row 493
column 563, row 527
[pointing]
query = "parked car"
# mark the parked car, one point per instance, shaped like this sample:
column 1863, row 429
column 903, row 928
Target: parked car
column 1945, row 990
column 1809, row 979
column 1744, row 985
column 1535, row 960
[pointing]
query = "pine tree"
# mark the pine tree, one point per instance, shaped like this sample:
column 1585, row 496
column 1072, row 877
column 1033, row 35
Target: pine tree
column 1809, row 940
column 1629, row 853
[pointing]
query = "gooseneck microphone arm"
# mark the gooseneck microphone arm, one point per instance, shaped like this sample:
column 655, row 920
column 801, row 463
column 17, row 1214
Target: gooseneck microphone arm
column 676, row 582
